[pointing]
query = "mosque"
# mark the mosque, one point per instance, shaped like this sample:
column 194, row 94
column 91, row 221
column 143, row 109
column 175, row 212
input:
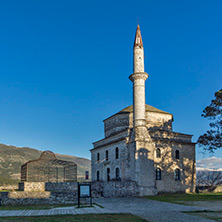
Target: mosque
column 140, row 154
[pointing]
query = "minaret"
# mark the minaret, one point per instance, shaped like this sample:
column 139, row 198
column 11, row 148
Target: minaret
column 138, row 78
column 140, row 143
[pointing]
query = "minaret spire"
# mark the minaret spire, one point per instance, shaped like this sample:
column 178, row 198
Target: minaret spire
column 138, row 38
column 138, row 52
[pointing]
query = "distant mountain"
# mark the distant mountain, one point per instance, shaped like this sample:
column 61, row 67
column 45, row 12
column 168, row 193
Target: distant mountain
column 12, row 158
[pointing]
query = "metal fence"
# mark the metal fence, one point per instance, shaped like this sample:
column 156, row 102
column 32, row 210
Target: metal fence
column 49, row 169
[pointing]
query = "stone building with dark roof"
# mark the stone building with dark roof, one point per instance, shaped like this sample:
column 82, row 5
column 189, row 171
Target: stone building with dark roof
column 141, row 154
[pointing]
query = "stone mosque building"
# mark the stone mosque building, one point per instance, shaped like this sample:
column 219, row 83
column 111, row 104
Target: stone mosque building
column 141, row 154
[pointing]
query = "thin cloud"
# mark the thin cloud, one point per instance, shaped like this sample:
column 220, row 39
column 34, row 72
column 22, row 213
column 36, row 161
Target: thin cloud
column 211, row 163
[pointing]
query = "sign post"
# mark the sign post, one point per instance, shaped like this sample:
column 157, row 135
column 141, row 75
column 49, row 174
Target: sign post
column 84, row 191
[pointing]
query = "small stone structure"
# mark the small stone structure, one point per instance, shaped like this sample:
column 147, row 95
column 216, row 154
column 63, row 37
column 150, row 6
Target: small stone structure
column 46, row 180
column 48, row 169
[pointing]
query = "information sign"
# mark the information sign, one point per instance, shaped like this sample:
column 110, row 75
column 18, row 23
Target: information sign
column 84, row 191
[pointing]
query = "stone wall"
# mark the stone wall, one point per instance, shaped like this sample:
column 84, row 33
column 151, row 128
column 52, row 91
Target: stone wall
column 168, row 164
column 32, row 186
column 123, row 121
column 48, row 186
column 116, row 124
column 159, row 121
column 61, row 187
column 9, row 187
column 36, row 198
column 34, row 193
column 112, row 163
column 138, row 161
column 114, row 189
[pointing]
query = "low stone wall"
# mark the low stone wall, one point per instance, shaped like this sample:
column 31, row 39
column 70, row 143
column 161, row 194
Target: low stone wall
column 32, row 186
column 34, row 193
column 114, row 189
column 61, row 187
column 9, row 187
column 47, row 186
column 37, row 198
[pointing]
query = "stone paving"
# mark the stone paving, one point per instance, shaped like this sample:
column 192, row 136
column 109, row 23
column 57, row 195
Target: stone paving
column 55, row 211
column 153, row 211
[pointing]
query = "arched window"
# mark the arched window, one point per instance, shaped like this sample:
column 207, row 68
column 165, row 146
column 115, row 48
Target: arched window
column 108, row 174
column 177, row 154
column 117, row 174
column 98, row 157
column 177, row 174
column 97, row 175
column 158, row 174
column 117, row 153
column 158, row 153
column 107, row 155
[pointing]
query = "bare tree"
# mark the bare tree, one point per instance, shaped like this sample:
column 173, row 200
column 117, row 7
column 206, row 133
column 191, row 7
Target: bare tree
column 209, row 179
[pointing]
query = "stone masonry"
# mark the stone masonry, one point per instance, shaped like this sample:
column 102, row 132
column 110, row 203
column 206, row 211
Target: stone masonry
column 32, row 193
column 48, row 186
column 37, row 197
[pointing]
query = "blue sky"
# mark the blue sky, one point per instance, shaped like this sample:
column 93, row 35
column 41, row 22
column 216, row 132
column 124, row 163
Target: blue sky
column 64, row 67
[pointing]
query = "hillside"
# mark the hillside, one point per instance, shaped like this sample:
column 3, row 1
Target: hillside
column 12, row 158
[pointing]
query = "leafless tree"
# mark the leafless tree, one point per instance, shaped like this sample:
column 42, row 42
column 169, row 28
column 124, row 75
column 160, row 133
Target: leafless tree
column 209, row 179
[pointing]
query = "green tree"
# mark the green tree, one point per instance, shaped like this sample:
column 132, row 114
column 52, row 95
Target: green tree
column 212, row 139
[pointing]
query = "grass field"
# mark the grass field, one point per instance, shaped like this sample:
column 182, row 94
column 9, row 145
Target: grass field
column 177, row 198
column 43, row 207
column 33, row 207
column 77, row 218
column 212, row 215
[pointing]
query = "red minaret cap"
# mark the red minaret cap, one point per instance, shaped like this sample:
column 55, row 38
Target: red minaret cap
column 138, row 38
